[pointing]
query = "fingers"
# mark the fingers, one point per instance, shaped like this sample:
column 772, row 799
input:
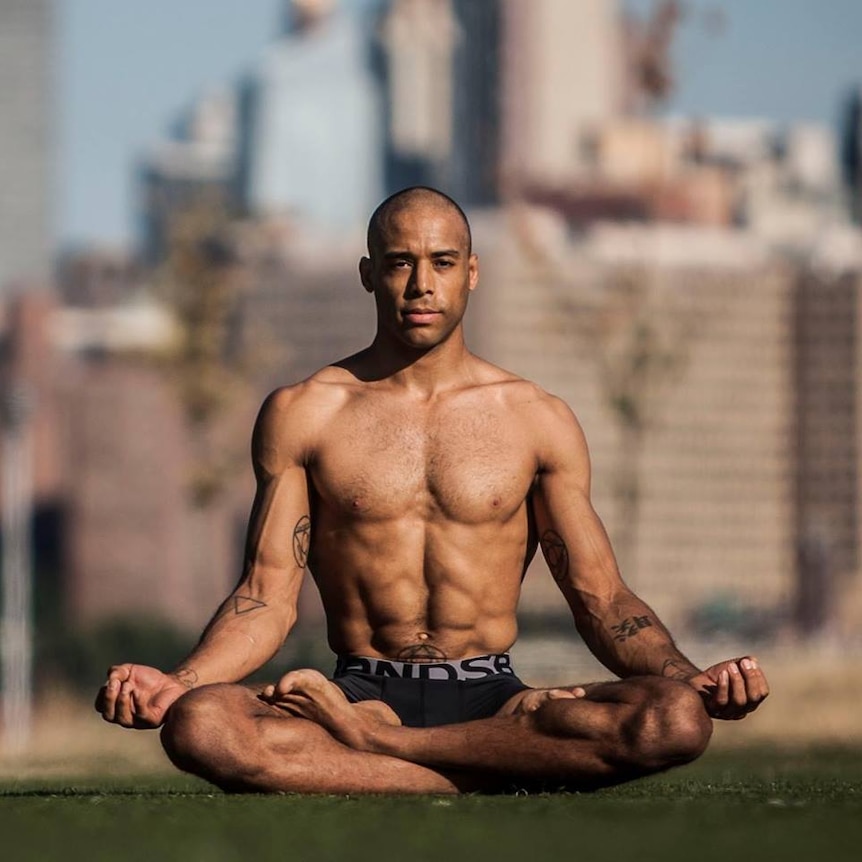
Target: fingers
column 109, row 693
column 755, row 679
column 123, row 712
column 739, row 689
column 720, row 692
column 738, row 696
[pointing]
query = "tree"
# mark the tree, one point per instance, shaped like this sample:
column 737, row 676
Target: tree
column 201, row 281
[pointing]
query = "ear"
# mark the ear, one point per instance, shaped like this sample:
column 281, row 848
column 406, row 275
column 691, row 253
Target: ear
column 473, row 271
column 365, row 267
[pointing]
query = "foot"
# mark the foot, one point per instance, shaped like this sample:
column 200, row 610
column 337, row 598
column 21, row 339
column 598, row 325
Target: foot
column 309, row 694
column 529, row 701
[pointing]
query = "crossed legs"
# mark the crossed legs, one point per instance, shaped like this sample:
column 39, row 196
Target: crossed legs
column 615, row 732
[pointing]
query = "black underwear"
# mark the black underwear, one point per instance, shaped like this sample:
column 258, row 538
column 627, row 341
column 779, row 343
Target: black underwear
column 429, row 694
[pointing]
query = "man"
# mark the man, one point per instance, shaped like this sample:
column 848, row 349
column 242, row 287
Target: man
column 413, row 480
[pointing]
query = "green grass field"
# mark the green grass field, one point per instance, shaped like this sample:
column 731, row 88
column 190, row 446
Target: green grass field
column 752, row 804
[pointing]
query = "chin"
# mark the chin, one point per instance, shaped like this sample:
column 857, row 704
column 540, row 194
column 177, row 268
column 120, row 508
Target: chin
column 423, row 342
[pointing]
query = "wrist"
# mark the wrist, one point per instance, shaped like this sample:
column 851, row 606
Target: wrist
column 679, row 669
column 186, row 677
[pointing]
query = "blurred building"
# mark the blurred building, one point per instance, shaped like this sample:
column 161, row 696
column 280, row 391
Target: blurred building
column 719, row 391
column 442, row 82
column 120, row 528
column 563, row 79
column 26, row 138
column 418, row 40
column 98, row 277
column 303, row 306
column 196, row 167
column 689, row 287
column 313, row 122
column 299, row 137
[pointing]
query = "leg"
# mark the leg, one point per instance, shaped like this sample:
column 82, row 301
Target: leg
column 227, row 735
column 615, row 732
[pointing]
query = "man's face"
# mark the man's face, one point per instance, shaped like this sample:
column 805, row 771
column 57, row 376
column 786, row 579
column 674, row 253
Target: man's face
column 421, row 273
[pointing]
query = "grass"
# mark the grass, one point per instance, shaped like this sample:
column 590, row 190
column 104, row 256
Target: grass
column 750, row 804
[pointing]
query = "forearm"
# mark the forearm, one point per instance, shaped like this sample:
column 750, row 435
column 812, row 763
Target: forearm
column 627, row 636
column 242, row 636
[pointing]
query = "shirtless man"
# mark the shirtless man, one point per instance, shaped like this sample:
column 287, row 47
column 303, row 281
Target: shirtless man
column 413, row 480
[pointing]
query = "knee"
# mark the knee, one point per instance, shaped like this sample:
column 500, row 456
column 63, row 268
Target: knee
column 670, row 727
column 205, row 733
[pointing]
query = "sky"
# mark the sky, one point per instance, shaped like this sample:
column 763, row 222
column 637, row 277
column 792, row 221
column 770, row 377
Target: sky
column 125, row 70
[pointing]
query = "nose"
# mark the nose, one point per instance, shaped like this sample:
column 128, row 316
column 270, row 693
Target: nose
column 421, row 281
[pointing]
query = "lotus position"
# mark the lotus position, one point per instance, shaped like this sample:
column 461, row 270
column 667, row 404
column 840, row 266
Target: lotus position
column 414, row 481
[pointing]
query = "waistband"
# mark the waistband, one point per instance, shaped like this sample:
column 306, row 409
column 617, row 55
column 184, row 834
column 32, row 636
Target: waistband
column 477, row 667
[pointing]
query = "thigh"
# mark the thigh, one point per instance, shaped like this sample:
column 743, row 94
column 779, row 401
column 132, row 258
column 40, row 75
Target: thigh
column 229, row 736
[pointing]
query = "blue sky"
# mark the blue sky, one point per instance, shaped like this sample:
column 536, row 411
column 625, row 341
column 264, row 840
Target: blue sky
column 124, row 71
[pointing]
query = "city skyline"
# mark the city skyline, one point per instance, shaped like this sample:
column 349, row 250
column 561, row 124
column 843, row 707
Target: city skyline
column 170, row 55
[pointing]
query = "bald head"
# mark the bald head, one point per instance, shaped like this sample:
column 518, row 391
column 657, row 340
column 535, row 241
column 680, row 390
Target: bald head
column 415, row 199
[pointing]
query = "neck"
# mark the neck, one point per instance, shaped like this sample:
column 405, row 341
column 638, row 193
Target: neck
column 423, row 371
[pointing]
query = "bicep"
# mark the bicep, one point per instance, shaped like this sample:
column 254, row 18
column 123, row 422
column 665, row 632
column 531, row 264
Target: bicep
column 279, row 527
column 573, row 539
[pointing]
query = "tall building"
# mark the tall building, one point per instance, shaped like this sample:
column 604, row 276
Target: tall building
column 563, row 76
column 440, row 70
column 418, row 40
column 196, row 167
column 477, row 99
column 711, row 465
column 313, row 121
column 25, row 139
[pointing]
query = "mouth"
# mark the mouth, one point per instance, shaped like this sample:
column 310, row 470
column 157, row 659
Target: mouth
column 420, row 316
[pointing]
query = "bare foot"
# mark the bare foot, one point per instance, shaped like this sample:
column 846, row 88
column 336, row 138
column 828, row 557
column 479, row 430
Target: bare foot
column 309, row 694
column 383, row 713
column 532, row 699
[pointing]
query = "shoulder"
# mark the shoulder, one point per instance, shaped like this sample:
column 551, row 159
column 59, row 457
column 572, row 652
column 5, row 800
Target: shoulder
column 527, row 398
column 291, row 418
column 548, row 421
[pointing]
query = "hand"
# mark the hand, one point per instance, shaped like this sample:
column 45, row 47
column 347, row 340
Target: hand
column 138, row 696
column 732, row 689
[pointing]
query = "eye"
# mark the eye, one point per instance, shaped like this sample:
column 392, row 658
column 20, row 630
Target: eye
column 444, row 263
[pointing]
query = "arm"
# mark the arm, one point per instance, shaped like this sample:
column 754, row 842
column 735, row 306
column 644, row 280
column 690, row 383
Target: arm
column 622, row 631
column 253, row 622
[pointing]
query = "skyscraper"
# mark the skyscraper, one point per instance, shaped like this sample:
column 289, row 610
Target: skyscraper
column 25, row 139
column 441, row 73
column 314, row 124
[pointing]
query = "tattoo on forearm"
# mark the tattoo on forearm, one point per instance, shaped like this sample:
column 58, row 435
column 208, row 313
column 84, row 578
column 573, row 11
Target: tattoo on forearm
column 630, row 627
column 421, row 653
column 674, row 669
column 302, row 541
column 556, row 554
column 187, row 677
column 241, row 605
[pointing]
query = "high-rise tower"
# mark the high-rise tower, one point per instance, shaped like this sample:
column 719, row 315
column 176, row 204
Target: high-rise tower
column 26, row 108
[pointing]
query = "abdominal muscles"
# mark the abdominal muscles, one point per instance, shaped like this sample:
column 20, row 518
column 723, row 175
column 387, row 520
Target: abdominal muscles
column 419, row 588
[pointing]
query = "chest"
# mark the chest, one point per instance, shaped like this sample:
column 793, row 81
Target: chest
column 466, row 461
